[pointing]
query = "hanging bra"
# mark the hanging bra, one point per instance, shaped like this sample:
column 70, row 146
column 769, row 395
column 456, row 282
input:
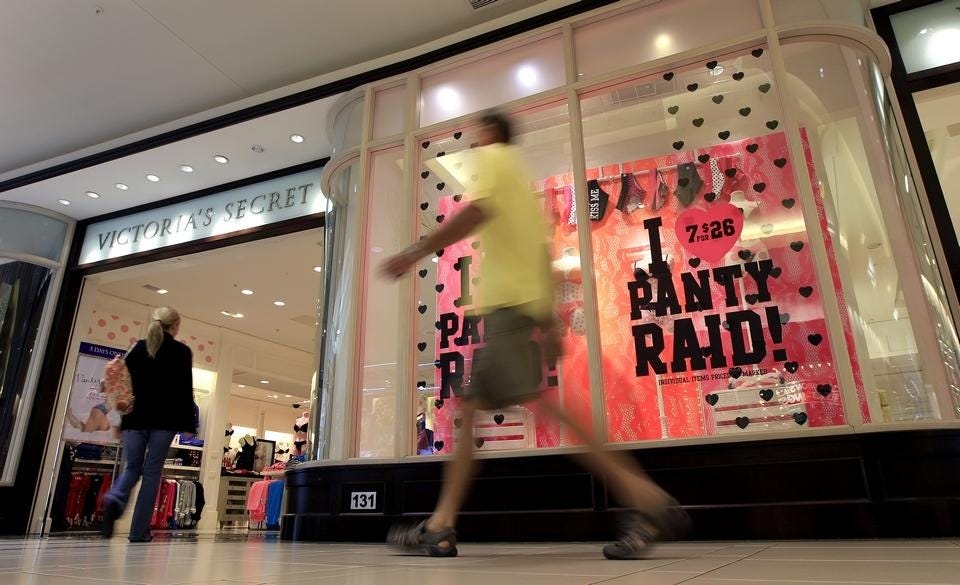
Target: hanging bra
column 300, row 429
column 632, row 194
column 228, row 433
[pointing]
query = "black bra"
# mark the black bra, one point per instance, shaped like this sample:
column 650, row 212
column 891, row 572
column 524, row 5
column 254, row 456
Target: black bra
column 228, row 433
column 300, row 429
column 282, row 451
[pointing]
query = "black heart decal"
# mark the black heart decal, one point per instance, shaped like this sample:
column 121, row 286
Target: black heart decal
column 796, row 246
column 438, row 403
column 475, row 245
column 422, row 309
column 422, row 346
column 456, row 266
column 439, row 287
column 424, row 205
column 780, row 163
column 712, row 399
column 711, row 64
column 458, row 422
column 772, row 124
column 441, row 153
column 678, row 145
column 423, row 273
column 730, row 172
column 745, row 112
column 764, row 88
column 724, row 135
column 436, row 363
column 703, row 158
column 668, row 76
column 751, row 298
column 457, row 135
column 824, row 389
column 756, row 52
column 752, row 148
column 440, row 252
column 806, row 291
column 478, row 442
column 424, row 174
column 710, row 197
column 425, row 144
column 788, row 203
column 800, row 417
column 441, row 185
column 717, row 99
column 745, row 255
column 697, row 122
column 440, row 218
column 693, row 262
column 673, row 110
column 766, row 394
column 421, row 384
column 683, row 181
column 776, row 272
column 738, row 76
column 726, row 325
column 792, row 367
column 438, row 445
column 736, row 372
column 784, row 318
column 457, row 303
column 815, row 339
column 759, row 187
column 767, row 228
column 693, row 87
column 498, row 418
column 437, row 325
column 458, row 198
column 742, row 422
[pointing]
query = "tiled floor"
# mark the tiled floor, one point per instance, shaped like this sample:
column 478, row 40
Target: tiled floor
column 205, row 561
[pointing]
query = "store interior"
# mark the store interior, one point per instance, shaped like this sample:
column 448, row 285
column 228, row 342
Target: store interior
column 249, row 314
column 938, row 114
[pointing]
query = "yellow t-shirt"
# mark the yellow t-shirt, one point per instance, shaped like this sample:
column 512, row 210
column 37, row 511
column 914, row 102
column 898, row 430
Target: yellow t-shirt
column 515, row 270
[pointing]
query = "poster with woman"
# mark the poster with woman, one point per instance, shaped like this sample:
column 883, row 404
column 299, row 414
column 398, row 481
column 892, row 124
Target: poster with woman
column 89, row 418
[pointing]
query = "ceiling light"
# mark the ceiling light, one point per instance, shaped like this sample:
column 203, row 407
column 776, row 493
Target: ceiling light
column 234, row 315
column 93, row 195
column 153, row 178
column 318, row 268
column 527, row 76
column 280, row 303
column 186, row 168
column 924, row 31
column 63, row 202
column 241, row 385
column 297, row 138
column 449, row 99
column 287, row 396
column 221, row 159
column 246, row 291
column 264, row 381
column 121, row 186
column 162, row 291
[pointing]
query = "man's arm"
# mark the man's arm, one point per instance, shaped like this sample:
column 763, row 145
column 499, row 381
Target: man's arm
column 457, row 228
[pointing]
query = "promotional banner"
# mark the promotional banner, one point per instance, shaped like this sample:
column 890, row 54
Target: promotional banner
column 89, row 418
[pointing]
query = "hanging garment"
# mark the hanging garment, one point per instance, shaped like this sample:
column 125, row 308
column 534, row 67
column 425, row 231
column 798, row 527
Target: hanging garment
column 598, row 199
column 662, row 194
column 688, row 183
column 632, row 195
column 274, row 504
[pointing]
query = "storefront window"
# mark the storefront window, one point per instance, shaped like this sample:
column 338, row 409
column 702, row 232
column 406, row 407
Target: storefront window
column 928, row 36
column 937, row 108
column 875, row 232
column 448, row 333
column 658, row 30
column 389, row 111
column 711, row 315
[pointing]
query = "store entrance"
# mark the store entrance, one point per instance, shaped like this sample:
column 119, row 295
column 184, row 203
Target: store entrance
column 250, row 316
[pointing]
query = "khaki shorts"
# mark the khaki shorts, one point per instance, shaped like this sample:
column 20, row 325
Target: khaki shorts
column 506, row 371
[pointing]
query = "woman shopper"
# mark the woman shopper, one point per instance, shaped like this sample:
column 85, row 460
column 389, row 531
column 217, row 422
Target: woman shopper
column 161, row 373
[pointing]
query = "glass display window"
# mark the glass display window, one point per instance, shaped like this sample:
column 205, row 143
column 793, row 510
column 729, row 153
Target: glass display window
column 711, row 313
column 389, row 111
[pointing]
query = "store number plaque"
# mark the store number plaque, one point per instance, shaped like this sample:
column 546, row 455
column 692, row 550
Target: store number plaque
column 366, row 501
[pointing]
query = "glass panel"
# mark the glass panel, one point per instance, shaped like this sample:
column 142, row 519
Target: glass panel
column 491, row 81
column 851, row 142
column 659, row 30
column 381, row 316
column 711, row 315
column 31, row 233
column 347, row 126
column 23, row 290
column 389, row 111
column 791, row 11
column 938, row 114
column 448, row 334
column 928, row 36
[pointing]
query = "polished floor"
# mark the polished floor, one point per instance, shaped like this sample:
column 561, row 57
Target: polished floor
column 207, row 561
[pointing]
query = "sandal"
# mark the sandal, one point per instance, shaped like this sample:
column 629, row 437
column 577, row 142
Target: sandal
column 417, row 539
column 636, row 540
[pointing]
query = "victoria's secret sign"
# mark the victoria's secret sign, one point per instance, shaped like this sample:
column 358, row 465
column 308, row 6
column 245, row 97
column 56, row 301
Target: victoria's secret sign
column 230, row 211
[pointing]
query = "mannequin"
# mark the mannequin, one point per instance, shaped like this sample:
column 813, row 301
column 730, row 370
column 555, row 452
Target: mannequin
column 246, row 456
column 300, row 437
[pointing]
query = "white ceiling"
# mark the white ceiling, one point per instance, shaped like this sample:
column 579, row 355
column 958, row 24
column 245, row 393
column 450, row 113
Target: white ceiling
column 78, row 73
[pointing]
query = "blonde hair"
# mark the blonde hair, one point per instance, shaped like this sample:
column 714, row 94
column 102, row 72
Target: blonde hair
column 162, row 320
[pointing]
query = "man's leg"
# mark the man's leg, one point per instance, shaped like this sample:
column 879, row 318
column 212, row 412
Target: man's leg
column 158, row 445
column 456, row 474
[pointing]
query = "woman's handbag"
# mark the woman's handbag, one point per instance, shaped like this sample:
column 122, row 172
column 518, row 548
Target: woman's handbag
column 117, row 385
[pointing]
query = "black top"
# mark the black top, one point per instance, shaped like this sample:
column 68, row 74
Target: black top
column 162, row 387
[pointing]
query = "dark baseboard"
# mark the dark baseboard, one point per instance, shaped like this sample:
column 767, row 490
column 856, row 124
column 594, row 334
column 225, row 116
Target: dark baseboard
column 903, row 484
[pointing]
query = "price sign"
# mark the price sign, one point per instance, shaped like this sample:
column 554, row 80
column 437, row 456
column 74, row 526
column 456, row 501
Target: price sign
column 709, row 234
column 363, row 500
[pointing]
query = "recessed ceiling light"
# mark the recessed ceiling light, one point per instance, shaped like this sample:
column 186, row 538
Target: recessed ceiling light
column 246, row 291
column 279, row 303
column 121, row 186
column 234, row 315
column 186, row 168
column 924, row 31
column 92, row 195
column 297, row 138
column 264, row 381
column 162, row 291
column 63, row 202
column 221, row 159
column 153, row 178
column 287, row 396
column 318, row 268
column 241, row 385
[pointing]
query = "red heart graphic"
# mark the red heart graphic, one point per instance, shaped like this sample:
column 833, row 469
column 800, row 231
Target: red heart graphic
column 709, row 234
